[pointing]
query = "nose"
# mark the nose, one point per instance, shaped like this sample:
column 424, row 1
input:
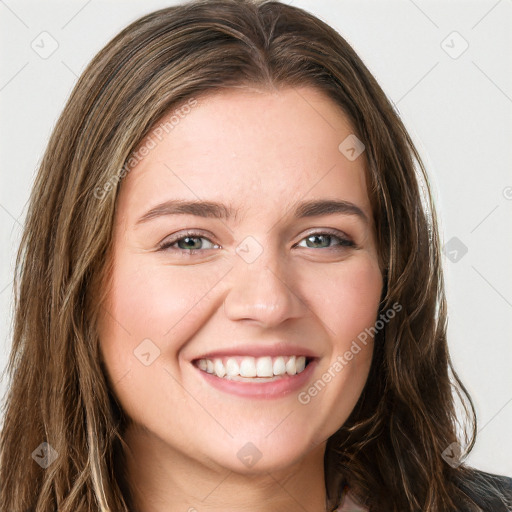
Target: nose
column 262, row 292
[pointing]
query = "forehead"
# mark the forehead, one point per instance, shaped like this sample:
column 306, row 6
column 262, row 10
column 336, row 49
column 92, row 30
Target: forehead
column 249, row 149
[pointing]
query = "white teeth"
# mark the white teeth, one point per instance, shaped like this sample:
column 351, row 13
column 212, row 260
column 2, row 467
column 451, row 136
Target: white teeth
column 232, row 368
column 251, row 367
column 291, row 369
column 264, row 367
column 218, row 367
column 248, row 367
column 300, row 364
column 279, row 366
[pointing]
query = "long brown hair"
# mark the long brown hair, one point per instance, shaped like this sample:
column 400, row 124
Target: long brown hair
column 390, row 450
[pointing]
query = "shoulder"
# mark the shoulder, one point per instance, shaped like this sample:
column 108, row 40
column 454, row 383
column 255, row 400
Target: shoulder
column 491, row 492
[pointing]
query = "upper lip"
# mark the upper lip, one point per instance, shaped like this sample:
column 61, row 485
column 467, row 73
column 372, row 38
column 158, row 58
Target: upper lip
column 260, row 351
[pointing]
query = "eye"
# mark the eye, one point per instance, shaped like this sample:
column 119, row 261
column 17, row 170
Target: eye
column 324, row 239
column 192, row 242
column 189, row 243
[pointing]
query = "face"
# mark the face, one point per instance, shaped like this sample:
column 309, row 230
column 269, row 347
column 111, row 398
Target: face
column 232, row 332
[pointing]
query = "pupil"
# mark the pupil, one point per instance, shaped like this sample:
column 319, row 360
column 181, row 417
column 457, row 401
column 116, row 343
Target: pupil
column 190, row 241
column 316, row 237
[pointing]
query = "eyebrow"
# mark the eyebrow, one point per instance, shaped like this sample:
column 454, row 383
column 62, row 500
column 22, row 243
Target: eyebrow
column 216, row 210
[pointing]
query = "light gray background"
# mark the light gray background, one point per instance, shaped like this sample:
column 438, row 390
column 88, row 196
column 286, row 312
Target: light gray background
column 457, row 107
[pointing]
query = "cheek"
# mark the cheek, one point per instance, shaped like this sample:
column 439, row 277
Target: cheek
column 147, row 305
column 348, row 300
column 155, row 302
column 347, row 306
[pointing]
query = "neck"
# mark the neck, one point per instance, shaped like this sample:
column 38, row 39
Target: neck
column 163, row 479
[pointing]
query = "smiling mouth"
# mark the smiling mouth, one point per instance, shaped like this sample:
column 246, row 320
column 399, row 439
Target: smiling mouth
column 253, row 369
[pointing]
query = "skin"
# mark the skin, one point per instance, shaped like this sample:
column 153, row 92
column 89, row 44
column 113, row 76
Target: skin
column 262, row 152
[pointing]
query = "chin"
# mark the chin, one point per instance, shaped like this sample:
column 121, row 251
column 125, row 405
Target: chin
column 261, row 453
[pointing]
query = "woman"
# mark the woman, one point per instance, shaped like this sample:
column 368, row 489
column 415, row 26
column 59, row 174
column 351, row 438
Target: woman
column 230, row 295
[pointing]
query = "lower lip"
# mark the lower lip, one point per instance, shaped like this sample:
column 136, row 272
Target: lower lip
column 267, row 390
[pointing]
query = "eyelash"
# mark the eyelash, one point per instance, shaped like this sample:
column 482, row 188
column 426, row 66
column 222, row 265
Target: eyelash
column 343, row 242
